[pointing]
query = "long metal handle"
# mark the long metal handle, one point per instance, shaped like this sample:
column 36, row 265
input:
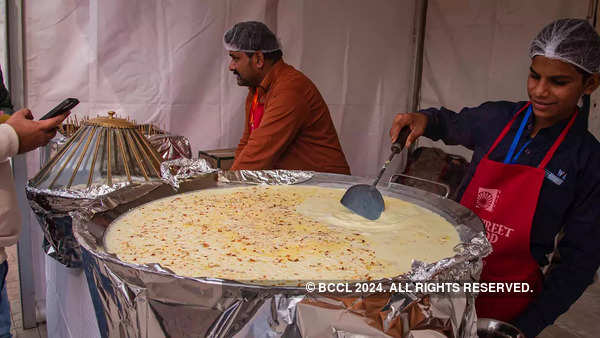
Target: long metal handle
column 445, row 186
column 396, row 148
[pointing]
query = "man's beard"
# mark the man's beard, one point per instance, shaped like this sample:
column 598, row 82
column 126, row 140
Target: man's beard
column 241, row 81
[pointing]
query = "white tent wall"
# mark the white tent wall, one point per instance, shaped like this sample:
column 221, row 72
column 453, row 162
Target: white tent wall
column 358, row 54
column 163, row 62
column 477, row 51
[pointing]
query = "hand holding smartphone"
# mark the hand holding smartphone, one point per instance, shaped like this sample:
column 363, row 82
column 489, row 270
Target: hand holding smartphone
column 61, row 108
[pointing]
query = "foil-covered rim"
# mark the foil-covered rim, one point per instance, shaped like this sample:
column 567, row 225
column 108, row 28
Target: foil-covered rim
column 93, row 192
column 174, row 172
column 272, row 177
column 469, row 226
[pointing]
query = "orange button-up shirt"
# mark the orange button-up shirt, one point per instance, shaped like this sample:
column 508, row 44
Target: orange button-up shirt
column 296, row 130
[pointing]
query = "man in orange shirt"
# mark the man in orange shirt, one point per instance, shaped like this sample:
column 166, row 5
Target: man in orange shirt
column 288, row 125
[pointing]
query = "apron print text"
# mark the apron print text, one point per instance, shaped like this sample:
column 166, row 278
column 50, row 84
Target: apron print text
column 495, row 231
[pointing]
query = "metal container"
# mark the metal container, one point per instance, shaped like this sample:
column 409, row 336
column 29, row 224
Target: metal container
column 103, row 155
column 170, row 147
column 104, row 151
column 493, row 328
column 150, row 301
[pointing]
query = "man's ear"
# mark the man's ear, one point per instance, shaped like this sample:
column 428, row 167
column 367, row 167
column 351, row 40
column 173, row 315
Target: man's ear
column 259, row 59
column 591, row 84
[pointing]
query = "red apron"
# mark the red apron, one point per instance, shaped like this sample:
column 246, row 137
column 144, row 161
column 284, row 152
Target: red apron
column 505, row 197
column 256, row 112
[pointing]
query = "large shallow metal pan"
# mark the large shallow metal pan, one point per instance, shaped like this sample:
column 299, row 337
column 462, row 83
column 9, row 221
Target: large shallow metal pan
column 136, row 299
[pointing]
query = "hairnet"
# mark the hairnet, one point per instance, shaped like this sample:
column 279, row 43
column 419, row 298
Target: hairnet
column 250, row 36
column 570, row 40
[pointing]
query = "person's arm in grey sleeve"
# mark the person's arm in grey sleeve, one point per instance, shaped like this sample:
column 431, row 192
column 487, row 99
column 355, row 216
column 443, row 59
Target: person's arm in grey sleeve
column 9, row 142
column 10, row 217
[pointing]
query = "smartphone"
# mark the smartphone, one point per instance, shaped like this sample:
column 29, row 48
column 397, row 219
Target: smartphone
column 62, row 108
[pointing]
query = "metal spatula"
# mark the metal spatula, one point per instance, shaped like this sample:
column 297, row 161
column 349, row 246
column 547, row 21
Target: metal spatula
column 365, row 199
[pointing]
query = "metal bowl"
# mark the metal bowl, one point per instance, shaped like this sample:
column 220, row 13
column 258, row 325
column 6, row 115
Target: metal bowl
column 493, row 328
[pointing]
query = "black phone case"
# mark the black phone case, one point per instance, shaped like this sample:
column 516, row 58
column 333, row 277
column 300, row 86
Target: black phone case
column 62, row 108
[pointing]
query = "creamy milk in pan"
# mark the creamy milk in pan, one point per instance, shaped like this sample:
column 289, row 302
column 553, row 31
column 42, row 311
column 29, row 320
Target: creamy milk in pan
column 275, row 234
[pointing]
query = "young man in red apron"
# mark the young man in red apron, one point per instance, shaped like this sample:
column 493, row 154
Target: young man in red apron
column 505, row 195
column 535, row 172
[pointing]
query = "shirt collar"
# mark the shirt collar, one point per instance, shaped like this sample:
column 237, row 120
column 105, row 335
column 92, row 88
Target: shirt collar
column 552, row 132
column 265, row 84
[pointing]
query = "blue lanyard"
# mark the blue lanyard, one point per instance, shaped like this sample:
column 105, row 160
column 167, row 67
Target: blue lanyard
column 520, row 151
column 509, row 156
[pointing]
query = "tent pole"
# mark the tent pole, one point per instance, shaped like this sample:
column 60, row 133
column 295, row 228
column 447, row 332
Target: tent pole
column 418, row 41
column 592, row 12
column 16, row 73
column 417, row 60
column 416, row 70
column 16, row 81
